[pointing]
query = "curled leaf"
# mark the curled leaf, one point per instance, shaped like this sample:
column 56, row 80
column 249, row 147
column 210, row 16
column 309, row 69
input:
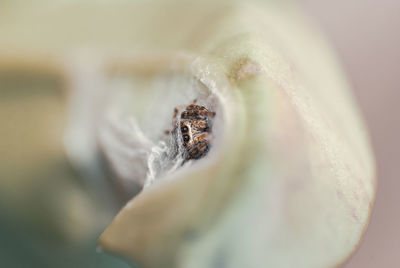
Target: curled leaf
column 289, row 180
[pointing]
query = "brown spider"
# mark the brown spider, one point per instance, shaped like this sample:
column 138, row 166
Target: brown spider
column 193, row 130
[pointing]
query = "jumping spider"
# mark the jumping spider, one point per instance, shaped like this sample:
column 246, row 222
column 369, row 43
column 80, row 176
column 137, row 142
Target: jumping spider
column 192, row 130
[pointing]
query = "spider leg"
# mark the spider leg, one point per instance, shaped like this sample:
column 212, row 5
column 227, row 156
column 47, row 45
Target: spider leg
column 175, row 119
column 177, row 110
column 211, row 114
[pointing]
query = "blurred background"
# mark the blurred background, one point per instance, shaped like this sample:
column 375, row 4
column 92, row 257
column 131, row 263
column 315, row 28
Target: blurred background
column 59, row 214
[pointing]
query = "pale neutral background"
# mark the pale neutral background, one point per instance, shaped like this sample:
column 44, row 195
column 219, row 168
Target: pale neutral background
column 366, row 36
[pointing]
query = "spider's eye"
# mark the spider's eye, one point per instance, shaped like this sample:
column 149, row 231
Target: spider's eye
column 186, row 137
column 184, row 129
